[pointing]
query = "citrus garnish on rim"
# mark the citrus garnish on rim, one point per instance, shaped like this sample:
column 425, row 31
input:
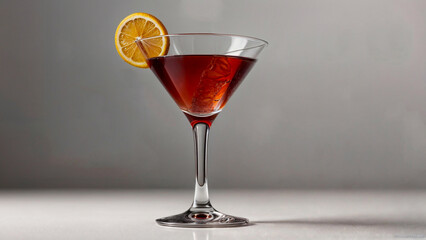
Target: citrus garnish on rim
column 140, row 25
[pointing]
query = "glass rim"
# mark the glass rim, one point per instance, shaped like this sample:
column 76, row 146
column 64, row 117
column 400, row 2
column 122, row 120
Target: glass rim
column 264, row 42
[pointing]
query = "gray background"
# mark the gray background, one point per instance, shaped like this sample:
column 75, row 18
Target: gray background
column 337, row 99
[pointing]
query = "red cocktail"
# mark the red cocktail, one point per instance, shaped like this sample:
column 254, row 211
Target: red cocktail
column 201, row 84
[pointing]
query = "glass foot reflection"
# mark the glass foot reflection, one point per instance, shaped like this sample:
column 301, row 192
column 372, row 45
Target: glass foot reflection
column 202, row 217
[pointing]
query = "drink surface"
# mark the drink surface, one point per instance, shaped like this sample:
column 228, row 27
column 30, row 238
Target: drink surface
column 201, row 84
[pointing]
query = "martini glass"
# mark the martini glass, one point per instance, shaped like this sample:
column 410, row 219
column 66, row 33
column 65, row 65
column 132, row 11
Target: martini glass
column 200, row 72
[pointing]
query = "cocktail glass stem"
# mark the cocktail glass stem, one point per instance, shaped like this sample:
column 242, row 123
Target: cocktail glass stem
column 201, row 213
column 201, row 195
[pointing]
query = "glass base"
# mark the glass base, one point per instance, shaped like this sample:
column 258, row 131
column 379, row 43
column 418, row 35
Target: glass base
column 202, row 218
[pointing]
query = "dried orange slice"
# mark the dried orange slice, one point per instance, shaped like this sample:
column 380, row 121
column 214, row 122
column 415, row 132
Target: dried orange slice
column 140, row 25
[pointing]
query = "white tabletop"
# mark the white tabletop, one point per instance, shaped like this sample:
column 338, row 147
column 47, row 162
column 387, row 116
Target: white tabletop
column 283, row 214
